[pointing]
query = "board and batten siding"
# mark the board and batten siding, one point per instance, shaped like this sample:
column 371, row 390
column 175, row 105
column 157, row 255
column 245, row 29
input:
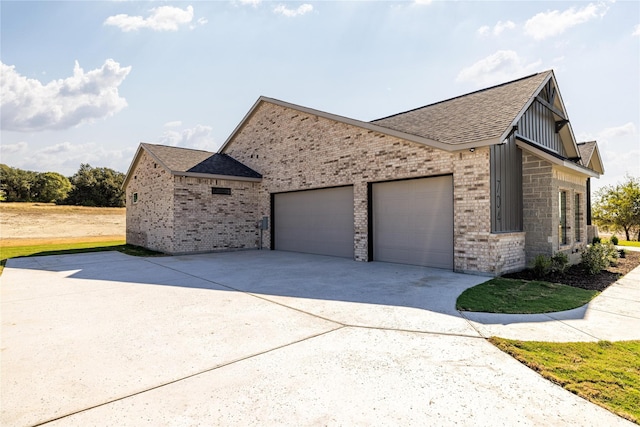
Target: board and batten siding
column 539, row 125
column 506, row 187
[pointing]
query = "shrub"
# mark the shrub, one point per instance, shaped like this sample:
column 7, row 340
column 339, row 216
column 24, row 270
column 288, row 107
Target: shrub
column 598, row 257
column 596, row 240
column 559, row 262
column 541, row 265
column 614, row 240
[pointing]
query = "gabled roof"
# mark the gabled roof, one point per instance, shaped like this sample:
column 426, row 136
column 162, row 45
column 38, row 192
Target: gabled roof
column 195, row 163
column 484, row 115
column 590, row 156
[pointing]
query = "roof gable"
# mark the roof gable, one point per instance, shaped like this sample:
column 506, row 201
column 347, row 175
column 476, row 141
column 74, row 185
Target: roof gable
column 590, row 156
column 197, row 163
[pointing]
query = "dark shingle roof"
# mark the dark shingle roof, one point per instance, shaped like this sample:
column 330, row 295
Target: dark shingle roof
column 187, row 160
column 223, row 164
column 586, row 151
column 477, row 116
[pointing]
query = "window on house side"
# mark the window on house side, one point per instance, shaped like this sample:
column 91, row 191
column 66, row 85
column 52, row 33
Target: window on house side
column 562, row 227
column 135, row 197
column 576, row 208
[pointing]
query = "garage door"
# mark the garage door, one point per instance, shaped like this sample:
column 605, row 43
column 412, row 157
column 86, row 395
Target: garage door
column 315, row 221
column 413, row 222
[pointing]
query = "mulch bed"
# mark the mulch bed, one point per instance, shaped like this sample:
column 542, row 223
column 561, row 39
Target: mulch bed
column 577, row 276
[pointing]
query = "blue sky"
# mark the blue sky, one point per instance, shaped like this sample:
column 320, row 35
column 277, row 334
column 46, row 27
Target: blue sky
column 86, row 81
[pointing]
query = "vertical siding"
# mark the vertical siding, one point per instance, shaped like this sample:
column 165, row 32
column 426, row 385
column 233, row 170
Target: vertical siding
column 506, row 187
column 539, row 125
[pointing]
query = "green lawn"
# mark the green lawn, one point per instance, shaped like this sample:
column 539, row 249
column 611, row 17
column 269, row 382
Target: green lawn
column 502, row 295
column 7, row 252
column 605, row 373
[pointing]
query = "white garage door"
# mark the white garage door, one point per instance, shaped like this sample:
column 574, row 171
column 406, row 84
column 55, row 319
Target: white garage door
column 413, row 222
column 315, row 221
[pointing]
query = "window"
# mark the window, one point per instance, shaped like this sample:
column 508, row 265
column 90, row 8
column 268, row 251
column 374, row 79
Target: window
column 221, row 190
column 135, row 197
column 562, row 227
column 576, row 209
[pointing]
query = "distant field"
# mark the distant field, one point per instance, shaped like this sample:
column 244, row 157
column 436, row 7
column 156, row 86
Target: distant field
column 43, row 223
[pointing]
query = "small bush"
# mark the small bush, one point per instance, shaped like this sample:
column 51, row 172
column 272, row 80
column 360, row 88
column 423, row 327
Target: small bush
column 599, row 257
column 614, row 240
column 596, row 240
column 622, row 253
column 541, row 265
column 559, row 262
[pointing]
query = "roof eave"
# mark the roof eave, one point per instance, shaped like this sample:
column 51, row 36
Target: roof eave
column 215, row 176
column 574, row 167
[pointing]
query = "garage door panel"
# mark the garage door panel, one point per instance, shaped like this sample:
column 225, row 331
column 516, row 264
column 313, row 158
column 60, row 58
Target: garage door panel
column 413, row 222
column 315, row 221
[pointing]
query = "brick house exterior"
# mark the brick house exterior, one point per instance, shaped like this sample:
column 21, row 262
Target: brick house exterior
column 506, row 156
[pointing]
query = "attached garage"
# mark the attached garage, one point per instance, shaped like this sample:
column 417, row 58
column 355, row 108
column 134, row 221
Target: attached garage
column 412, row 221
column 314, row 221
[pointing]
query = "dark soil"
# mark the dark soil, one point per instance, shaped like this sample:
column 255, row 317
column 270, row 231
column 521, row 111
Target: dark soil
column 577, row 276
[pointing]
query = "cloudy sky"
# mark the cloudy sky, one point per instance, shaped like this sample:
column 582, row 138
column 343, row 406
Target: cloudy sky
column 86, row 81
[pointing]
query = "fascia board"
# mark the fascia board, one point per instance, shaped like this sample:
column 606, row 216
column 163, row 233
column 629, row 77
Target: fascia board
column 556, row 161
column 215, row 176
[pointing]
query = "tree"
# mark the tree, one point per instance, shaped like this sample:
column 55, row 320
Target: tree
column 16, row 184
column 618, row 206
column 96, row 187
column 51, row 187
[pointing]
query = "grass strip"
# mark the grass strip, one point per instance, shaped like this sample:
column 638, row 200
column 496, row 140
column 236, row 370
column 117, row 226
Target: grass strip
column 605, row 373
column 7, row 252
column 512, row 296
column 628, row 243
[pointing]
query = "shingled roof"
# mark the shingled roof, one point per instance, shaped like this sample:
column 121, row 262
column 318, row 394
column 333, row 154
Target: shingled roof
column 197, row 163
column 590, row 156
column 477, row 116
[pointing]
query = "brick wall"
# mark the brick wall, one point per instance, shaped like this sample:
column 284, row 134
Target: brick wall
column 541, row 184
column 295, row 150
column 150, row 218
column 206, row 222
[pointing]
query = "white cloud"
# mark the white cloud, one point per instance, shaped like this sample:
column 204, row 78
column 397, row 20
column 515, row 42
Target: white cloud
column 301, row 10
column 636, row 30
column 197, row 137
column 66, row 157
column 497, row 29
column 552, row 23
column 502, row 66
column 422, row 2
column 173, row 124
column 28, row 105
column 19, row 147
column 627, row 129
column 163, row 18
column 253, row 3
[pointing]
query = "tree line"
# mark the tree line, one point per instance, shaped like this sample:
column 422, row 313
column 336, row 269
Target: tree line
column 88, row 187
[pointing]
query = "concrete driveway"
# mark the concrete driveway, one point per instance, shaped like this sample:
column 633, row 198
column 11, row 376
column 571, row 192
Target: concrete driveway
column 256, row 338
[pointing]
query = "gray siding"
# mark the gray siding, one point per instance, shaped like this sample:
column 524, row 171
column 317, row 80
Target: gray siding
column 506, row 187
column 539, row 125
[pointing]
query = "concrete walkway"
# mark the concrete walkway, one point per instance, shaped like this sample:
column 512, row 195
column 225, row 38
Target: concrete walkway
column 614, row 315
column 259, row 338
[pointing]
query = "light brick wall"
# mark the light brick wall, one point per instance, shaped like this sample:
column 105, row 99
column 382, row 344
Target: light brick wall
column 294, row 150
column 150, row 219
column 541, row 184
column 207, row 222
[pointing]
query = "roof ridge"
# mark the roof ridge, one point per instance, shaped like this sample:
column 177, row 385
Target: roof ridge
column 176, row 147
column 463, row 95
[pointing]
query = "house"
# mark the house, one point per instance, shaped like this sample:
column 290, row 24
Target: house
column 480, row 183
